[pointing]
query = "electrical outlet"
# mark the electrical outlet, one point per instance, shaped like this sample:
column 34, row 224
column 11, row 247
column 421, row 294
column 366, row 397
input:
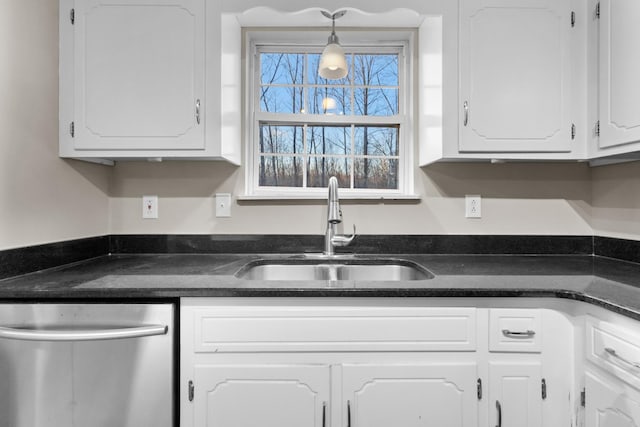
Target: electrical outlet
column 473, row 206
column 223, row 205
column 149, row 207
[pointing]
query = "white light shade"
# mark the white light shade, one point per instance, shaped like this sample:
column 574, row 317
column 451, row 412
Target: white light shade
column 333, row 64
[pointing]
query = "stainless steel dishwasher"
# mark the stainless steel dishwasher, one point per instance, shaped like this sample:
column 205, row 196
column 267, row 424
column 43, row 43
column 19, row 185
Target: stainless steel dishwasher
column 89, row 365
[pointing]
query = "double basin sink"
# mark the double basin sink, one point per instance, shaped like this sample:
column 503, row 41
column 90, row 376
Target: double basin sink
column 333, row 269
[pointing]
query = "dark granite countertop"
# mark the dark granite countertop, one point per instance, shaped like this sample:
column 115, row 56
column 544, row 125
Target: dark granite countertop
column 609, row 283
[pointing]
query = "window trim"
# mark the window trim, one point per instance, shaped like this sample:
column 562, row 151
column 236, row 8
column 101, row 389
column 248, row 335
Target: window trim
column 401, row 42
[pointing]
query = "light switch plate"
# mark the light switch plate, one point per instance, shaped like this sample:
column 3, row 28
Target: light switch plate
column 149, row 207
column 223, row 205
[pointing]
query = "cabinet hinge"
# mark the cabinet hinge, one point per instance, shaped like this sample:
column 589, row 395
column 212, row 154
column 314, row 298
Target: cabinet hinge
column 573, row 19
column 191, row 391
column 573, row 131
column 583, row 397
column 72, row 129
column 72, row 16
column 479, row 389
column 598, row 10
column 598, row 128
column 543, row 387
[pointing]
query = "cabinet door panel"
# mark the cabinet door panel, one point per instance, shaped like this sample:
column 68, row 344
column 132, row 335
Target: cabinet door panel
column 410, row 395
column 515, row 394
column 139, row 71
column 266, row 396
column 609, row 404
column 619, row 71
column 514, row 64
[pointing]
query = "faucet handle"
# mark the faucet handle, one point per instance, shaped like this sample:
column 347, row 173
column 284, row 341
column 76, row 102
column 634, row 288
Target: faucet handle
column 344, row 240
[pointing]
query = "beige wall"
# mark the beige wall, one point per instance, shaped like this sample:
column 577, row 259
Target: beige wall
column 616, row 200
column 518, row 198
column 42, row 198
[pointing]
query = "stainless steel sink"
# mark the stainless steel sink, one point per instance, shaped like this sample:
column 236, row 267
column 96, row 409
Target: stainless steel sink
column 365, row 270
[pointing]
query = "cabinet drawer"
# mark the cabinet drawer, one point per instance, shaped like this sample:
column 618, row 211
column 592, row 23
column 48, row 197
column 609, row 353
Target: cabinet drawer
column 515, row 330
column 614, row 348
column 282, row 329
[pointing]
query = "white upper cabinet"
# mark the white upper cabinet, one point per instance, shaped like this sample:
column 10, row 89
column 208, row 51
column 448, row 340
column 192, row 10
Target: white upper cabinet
column 132, row 79
column 619, row 68
column 515, row 76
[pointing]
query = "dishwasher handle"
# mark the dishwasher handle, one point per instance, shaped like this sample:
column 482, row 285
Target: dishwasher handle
column 82, row 334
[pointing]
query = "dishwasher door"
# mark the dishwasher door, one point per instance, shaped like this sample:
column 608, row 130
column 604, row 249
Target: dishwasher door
column 89, row 365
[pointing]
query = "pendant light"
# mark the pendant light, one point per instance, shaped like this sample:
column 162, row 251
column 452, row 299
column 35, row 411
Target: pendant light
column 333, row 64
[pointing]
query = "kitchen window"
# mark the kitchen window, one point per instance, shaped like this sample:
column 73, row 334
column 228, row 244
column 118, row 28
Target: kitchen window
column 305, row 129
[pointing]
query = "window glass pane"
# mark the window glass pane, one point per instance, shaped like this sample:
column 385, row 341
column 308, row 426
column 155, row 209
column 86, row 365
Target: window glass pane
column 281, row 68
column 375, row 102
column 314, row 77
column 329, row 139
column 281, row 99
column 330, row 100
column 376, row 173
column 376, row 141
column 279, row 171
column 375, row 70
column 320, row 169
column 280, row 139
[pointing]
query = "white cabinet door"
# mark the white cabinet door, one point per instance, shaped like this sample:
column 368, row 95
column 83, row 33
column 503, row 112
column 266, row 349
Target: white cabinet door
column 610, row 404
column 619, row 70
column 261, row 395
column 515, row 76
column 410, row 395
column 139, row 74
column 515, row 397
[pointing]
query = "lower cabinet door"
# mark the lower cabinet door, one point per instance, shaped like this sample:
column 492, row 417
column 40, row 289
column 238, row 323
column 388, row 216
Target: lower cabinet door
column 610, row 403
column 409, row 395
column 265, row 396
column 515, row 397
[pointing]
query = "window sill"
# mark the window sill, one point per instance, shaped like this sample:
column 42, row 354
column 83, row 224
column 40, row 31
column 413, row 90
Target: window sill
column 347, row 197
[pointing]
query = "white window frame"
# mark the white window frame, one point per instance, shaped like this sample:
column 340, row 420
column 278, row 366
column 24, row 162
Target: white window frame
column 401, row 42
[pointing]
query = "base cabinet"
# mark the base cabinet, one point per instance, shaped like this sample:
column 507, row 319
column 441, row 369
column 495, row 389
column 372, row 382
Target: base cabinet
column 294, row 395
column 610, row 403
column 410, row 395
column 515, row 394
column 311, row 363
column 261, row 395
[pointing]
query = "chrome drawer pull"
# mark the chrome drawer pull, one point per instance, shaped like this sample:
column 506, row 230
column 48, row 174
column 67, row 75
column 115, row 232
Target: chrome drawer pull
column 613, row 353
column 516, row 334
column 81, row 335
column 198, row 111
column 499, row 409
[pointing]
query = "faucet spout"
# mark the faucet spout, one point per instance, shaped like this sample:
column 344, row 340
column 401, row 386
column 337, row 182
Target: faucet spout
column 334, row 217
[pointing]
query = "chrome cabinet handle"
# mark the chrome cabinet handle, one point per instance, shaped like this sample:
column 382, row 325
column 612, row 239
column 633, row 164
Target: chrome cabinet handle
column 499, row 409
column 613, row 353
column 198, row 111
column 466, row 112
column 348, row 413
column 81, row 335
column 517, row 334
column 324, row 414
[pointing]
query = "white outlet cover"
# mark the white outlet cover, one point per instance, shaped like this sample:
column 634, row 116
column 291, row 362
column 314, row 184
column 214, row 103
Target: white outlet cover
column 473, row 206
column 223, row 205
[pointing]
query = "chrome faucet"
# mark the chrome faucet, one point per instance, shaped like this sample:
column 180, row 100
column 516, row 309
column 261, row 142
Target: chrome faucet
column 334, row 217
